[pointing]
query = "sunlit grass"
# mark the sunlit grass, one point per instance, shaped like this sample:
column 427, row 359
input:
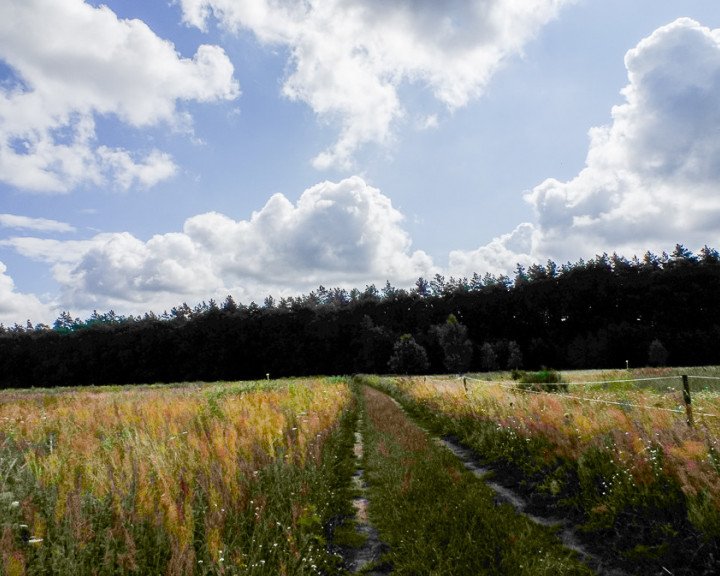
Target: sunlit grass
column 636, row 419
column 617, row 452
column 164, row 456
column 437, row 517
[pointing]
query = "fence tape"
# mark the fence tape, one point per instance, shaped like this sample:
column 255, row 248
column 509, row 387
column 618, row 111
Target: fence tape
column 486, row 382
column 598, row 382
column 583, row 399
column 700, row 413
column 620, row 381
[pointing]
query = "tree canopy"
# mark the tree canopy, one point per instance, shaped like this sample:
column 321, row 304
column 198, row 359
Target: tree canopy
column 590, row 314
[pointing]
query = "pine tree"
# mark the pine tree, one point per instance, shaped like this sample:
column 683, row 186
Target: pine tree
column 514, row 361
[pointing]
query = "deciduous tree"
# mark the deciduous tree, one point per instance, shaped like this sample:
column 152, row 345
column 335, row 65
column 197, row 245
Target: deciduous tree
column 408, row 356
column 456, row 346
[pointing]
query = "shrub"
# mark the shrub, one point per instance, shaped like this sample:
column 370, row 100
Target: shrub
column 657, row 353
column 546, row 380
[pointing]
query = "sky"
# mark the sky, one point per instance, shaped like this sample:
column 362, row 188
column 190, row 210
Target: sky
column 154, row 153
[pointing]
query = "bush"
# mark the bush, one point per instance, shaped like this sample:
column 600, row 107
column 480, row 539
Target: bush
column 546, row 380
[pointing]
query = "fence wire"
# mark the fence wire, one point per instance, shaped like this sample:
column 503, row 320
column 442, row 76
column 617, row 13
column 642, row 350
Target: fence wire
column 621, row 404
column 699, row 411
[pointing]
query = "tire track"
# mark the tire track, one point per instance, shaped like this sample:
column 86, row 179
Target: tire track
column 568, row 531
column 370, row 552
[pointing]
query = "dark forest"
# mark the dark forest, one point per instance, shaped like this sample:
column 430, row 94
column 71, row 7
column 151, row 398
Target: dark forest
column 596, row 314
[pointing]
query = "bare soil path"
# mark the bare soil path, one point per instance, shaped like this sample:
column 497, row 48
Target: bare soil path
column 372, row 549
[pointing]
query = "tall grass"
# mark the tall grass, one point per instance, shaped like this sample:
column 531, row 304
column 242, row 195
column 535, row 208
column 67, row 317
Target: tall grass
column 176, row 480
column 437, row 517
column 624, row 459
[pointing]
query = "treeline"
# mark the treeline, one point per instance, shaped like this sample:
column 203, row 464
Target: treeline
column 595, row 314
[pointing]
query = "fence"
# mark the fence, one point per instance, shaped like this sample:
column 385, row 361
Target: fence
column 687, row 398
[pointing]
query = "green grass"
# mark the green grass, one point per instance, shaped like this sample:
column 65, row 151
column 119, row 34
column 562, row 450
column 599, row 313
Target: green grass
column 277, row 528
column 347, row 535
column 646, row 526
column 439, row 518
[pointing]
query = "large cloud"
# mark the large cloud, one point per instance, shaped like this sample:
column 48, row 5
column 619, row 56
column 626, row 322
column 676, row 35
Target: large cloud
column 344, row 233
column 652, row 177
column 349, row 57
column 71, row 62
column 500, row 256
column 16, row 307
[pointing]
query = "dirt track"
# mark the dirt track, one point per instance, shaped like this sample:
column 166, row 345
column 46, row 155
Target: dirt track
column 568, row 532
column 373, row 548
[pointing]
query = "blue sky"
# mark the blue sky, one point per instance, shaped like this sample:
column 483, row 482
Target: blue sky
column 154, row 153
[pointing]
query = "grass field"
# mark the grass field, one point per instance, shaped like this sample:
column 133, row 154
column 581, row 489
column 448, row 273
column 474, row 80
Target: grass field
column 255, row 477
column 621, row 456
column 437, row 517
column 169, row 479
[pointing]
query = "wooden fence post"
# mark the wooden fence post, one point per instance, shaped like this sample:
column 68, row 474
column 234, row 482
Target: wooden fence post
column 465, row 384
column 686, row 397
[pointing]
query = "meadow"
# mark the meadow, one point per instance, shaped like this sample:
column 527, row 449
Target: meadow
column 439, row 518
column 619, row 457
column 222, row 478
column 256, row 477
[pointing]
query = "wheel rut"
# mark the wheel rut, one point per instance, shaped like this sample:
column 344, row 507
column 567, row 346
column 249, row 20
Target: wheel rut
column 567, row 531
column 367, row 558
column 370, row 552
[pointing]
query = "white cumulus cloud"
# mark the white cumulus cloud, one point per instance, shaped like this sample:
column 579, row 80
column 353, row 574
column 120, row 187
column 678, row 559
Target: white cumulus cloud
column 16, row 307
column 337, row 231
column 71, row 62
column 348, row 58
column 500, row 256
column 337, row 234
column 652, row 176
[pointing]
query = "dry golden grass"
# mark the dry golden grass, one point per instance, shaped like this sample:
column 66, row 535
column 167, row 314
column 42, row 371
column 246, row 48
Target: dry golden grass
column 387, row 418
column 156, row 443
column 630, row 423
